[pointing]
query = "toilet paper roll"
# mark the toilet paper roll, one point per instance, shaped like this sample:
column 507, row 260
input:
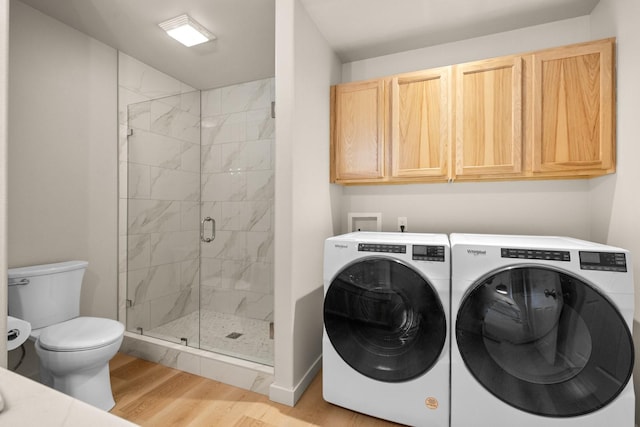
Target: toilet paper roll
column 18, row 331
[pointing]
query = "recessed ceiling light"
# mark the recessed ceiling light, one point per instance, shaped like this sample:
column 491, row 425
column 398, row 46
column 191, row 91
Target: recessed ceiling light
column 187, row 31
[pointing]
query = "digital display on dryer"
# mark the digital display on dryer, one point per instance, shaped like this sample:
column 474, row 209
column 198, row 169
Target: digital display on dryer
column 590, row 257
column 428, row 253
column 603, row 261
column 419, row 250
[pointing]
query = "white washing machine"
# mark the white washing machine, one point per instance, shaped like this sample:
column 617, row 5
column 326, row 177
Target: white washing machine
column 386, row 334
column 541, row 333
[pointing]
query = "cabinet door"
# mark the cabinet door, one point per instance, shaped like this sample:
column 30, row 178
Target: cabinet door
column 573, row 108
column 420, row 124
column 488, row 129
column 359, row 131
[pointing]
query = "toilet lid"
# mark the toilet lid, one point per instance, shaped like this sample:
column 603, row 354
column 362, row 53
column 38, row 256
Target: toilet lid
column 81, row 333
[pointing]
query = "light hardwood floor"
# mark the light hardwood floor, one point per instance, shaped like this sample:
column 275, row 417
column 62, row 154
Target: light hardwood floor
column 150, row 394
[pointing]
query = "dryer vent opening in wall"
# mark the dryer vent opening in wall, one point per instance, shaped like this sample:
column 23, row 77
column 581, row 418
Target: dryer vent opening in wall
column 364, row 221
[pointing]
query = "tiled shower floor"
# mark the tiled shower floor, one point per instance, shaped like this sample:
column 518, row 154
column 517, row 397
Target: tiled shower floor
column 253, row 343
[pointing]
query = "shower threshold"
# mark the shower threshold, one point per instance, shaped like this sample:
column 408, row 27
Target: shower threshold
column 223, row 333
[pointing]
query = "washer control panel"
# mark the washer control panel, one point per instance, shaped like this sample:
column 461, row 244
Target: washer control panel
column 428, row 253
column 603, row 261
column 419, row 252
column 535, row 254
column 380, row 247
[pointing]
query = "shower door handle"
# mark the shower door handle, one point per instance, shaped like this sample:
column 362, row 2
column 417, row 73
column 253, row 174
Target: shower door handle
column 213, row 230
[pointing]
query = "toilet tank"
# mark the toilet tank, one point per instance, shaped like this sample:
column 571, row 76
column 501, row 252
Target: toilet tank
column 46, row 294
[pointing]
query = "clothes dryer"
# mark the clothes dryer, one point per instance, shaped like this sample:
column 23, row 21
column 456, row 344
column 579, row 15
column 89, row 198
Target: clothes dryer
column 386, row 316
column 541, row 333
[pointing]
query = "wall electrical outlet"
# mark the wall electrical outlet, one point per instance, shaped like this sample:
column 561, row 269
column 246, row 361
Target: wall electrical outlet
column 402, row 223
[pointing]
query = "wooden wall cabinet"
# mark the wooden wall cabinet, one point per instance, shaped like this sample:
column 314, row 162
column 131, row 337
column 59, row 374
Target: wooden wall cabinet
column 542, row 115
column 420, row 129
column 358, row 119
column 488, row 118
column 573, row 110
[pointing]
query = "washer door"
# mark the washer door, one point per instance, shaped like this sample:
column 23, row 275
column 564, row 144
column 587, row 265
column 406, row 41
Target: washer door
column 384, row 319
column 545, row 342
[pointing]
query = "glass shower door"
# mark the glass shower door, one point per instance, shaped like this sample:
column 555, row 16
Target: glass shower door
column 236, row 288
column 163, row 218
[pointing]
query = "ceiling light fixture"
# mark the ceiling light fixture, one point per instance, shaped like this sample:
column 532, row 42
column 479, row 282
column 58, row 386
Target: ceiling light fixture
column 187, row 31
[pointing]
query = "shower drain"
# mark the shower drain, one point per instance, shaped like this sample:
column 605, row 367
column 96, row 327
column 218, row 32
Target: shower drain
column 234, row 335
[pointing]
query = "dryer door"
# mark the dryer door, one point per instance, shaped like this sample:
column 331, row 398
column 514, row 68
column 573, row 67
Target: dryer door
column 544, row 341
column 384, row 319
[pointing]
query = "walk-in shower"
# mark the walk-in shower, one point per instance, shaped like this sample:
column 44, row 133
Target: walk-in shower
column 199, row 220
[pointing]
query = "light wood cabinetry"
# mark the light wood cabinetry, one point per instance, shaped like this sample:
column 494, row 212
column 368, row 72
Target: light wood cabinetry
column 420, row 129
column 392, row 130
column 540, row 115
column 573, row 110
column 488, row 118
column 358, row 131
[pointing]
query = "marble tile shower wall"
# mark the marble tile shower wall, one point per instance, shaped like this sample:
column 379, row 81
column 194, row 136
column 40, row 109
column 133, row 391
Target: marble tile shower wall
column 163, row 210
column 238, row 191
column 157, row 224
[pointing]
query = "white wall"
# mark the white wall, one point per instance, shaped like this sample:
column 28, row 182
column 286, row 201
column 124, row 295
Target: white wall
column 518, row 207
column 522, row 40
column 62, row 183
column 305, row 68
column 4, row 68
column 614, row 200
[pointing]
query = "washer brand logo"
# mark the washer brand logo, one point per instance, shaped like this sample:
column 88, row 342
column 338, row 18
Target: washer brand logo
column 476, row 252
column 341, row 246
column 431, row 403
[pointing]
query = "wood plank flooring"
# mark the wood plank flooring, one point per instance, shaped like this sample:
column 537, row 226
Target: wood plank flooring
column 150, row 394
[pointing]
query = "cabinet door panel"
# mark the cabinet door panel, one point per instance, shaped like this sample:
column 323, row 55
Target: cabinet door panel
column 420, row 124
column 573, row 108
column 359, row 130
column 489, row 117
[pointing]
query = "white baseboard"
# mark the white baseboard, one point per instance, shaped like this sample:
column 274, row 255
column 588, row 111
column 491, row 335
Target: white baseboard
column 290, row 396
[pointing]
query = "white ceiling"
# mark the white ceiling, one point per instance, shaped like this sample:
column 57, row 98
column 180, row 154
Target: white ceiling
column 245, row 47
column 243, row 51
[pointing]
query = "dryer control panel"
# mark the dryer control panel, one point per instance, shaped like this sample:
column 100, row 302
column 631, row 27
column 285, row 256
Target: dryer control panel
column 603, row 261
column 380, row 247
column 535, row 254
column 418, row 253
column 428, row 253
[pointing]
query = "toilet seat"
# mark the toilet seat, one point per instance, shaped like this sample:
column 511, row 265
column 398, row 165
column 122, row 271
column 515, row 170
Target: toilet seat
column 81, row 333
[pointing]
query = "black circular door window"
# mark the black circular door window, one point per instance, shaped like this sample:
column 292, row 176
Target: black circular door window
column 384, row 319
column 544, row 341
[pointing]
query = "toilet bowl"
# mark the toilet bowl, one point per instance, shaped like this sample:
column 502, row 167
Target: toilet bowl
column 73, row 351
column 74, row 357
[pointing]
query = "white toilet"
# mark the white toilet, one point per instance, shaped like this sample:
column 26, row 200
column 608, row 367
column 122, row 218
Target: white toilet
column 74, row 351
